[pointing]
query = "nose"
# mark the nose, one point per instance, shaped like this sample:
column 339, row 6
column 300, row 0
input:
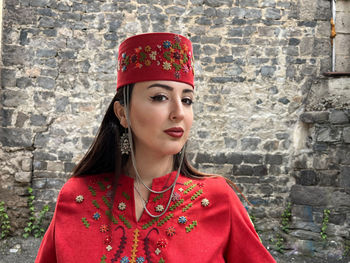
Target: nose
column 177, row 111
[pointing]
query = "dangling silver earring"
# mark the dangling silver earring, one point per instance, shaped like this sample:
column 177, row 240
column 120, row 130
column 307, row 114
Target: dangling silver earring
column 124, row 143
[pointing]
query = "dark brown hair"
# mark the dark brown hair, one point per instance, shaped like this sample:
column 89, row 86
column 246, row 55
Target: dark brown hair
column 104, row 155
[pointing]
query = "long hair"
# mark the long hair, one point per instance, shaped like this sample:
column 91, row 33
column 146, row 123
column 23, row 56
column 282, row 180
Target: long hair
column 104, row 155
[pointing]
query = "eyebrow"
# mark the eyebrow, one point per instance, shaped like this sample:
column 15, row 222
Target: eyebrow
column 168, row 87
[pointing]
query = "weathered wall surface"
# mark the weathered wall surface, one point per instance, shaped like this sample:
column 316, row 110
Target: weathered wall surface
column 258, row 66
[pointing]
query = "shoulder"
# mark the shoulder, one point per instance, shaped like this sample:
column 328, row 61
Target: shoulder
column 215, row 186
column 79, row 185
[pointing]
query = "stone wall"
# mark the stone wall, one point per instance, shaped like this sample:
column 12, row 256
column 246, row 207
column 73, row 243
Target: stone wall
column 257, row 68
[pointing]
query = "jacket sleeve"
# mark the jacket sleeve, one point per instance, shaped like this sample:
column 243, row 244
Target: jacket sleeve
column 47, row 249
column 244, row 244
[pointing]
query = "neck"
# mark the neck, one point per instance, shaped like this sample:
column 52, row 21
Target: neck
column 150, row 166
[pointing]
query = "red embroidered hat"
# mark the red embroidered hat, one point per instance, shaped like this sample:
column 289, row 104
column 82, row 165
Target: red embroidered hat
column 155, row 56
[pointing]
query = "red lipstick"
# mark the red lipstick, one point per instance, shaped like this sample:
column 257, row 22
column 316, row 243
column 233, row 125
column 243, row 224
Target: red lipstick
column 175, row 132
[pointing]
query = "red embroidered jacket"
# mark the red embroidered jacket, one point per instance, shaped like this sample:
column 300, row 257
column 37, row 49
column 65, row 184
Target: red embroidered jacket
column 205, row 222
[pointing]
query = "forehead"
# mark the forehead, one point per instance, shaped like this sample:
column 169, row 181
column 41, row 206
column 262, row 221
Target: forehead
column 165, row 84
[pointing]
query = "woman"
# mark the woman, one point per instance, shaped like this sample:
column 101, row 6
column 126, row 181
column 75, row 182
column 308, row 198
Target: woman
column 134, row 197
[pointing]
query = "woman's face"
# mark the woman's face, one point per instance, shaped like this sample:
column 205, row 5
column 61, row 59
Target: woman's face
column 161, row 116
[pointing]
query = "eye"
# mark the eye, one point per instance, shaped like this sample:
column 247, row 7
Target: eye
column 187, row 101
column 159, row 97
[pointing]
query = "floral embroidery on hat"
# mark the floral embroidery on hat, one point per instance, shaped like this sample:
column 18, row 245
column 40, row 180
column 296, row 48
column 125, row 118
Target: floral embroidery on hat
column 104, row 228
column 166, row 44
column 177, row 75
column 140, row 260
column 159, row 208
column 79, row 199
column 109, row 248
column 157, row 251
column 170, row 231
column 205, row 202
column 96, row 216
column 181, row 189
column 182, row 220
column 153, row 55
column 162, row 243
column 166, row 66
column 121, row 206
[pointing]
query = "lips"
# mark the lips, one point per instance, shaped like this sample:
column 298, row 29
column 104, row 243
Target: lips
column 175, row 132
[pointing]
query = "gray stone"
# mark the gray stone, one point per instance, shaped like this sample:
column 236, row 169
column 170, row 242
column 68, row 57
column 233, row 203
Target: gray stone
column 8, row 77
column 23, row 177
column 250, row 143
column 86, row 141
column 175, row 10
column 37, row 120
column 39, row 3
column 273, row 13
column 344, row 178
column 15, row 137
column 248, row 3
column 43, row 156
column 314, row 117
column 293, row 41
column 40, row 165
column 68, row 167
column 273, row 159
column 346, row 134
column 217, row 3
column 242, row 170
column 210, row 40
column 267, row 71
column 230, row 143
column 338, row 117
column 226, row 59
column 47, row 22
column 328, row 134
column 236, row 32
column 203, row 21
column 309, row 195
column 6, row 117
column 307, row 177
column 253, row 158
column 284, row 100
column 260, row 170
column 46, row 83
column 271, row 145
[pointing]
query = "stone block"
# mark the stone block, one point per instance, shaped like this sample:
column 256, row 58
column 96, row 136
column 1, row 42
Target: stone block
column 175, row 10
column 328, row 134
column 253, row 158
column 273, row 13
column 338, row 117
column 342, row 64
column 267, row 71
column 46, row 83
column 226, row 59
column 304, row 212
column 321, row 46
column 344, row 177
column 323, row 10
column 250, row 143
column 217, row 3
column 342, row 46
column 346, row 134
column 39, row 183
column 37, row 120
column 340, row 199
column 6, row 117
column 328, row 178
column 26, row 164
column 309, row 195
column 23, row 177
column 275, row 159
column 314, row 117
column 68, row 167
column 39, row 165
column 242, row 170
column 307, row 177
column 260, row 170
column 16, row 137
column 55, row 166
